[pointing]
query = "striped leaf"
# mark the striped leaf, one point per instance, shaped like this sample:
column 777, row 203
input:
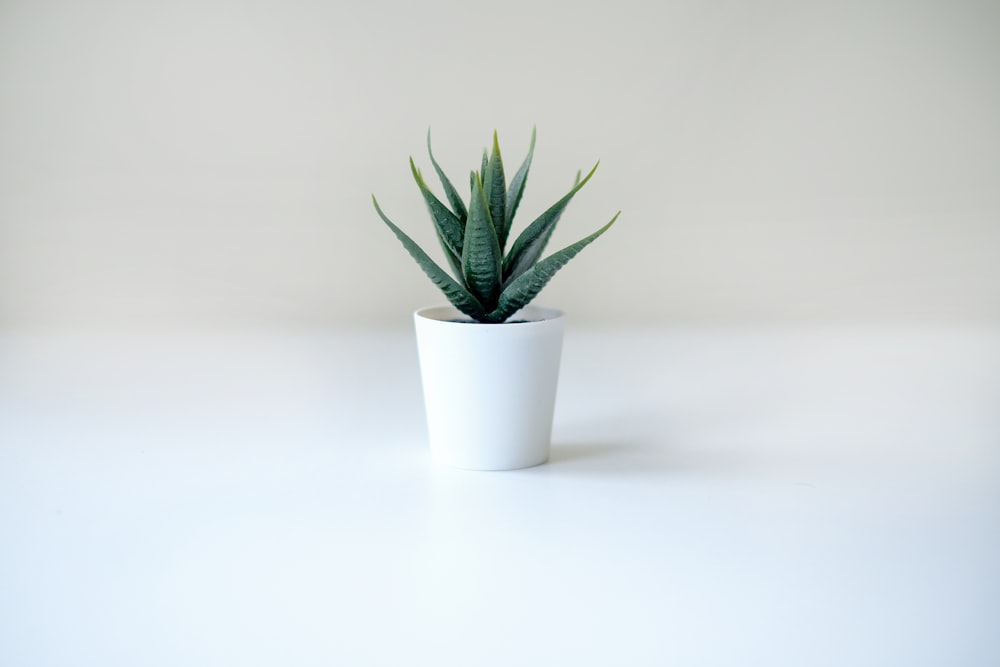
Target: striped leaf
column 526, row 287
column 530, row 245
column 517, row 189
column 447, row 225
column 495, row 188
column 455, row 293
column 454, row 261
column 481, row 252
column 457, row 205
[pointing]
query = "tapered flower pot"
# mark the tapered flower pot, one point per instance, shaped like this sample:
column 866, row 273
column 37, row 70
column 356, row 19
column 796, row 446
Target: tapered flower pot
column 489, row 389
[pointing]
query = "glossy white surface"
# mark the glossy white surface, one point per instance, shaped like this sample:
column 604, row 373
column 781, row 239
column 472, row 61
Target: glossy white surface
column 714, row 498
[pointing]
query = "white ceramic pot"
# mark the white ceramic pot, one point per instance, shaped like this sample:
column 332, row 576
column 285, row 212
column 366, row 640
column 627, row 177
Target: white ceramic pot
column 489, row 389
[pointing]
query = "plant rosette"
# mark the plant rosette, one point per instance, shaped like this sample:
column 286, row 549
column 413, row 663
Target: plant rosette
column 489, row 363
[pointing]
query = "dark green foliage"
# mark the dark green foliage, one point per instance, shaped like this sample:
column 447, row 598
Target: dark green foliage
column 481, row 260
column 490, row 284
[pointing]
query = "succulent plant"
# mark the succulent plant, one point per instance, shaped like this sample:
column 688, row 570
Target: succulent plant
column 490, row 282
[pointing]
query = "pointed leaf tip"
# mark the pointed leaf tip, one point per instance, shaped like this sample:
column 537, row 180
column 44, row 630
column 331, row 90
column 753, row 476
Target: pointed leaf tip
column 521, row 290
column 529, row 246
column 517, row 187
column 481, row 258
column 455, row 292
column 446, row 223
column 457, row 205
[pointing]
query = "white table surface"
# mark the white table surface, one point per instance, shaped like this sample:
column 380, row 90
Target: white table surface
column 715, row 497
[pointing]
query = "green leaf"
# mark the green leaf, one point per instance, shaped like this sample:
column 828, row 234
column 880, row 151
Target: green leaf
column 526, row 287
column 454, row 261
column 486, row 162
column 495, row 188
column 517, row 189
column 530, row 245
column 481, row 252
column 456, row 293
column 457, row 205
column 447, row 225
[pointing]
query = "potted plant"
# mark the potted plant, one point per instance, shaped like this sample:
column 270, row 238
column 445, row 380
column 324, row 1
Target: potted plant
column 490, row 362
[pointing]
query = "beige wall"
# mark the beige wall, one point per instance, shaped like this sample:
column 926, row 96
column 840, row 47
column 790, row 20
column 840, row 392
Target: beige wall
column 172, row 164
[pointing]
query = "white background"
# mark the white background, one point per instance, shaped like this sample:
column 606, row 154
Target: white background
column 211, row 162
column 201, row 464
column 713, row 498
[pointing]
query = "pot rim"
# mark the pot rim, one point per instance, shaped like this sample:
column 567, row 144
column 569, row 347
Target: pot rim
column 448, row 314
